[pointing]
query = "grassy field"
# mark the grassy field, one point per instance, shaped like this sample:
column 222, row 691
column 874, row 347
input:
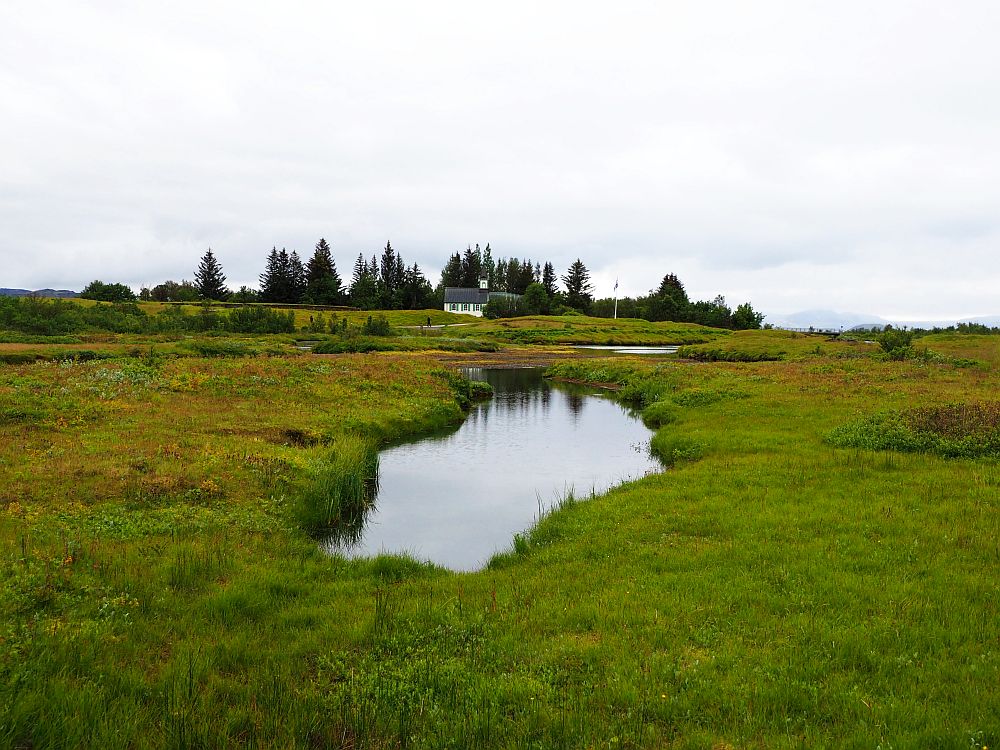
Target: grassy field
column 160, row 586
column 580, row 329
column 761, row 346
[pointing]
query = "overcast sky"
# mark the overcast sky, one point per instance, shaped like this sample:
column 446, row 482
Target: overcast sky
column 793, row 153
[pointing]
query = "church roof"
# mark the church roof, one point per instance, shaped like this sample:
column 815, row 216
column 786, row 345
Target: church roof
column 455, row 294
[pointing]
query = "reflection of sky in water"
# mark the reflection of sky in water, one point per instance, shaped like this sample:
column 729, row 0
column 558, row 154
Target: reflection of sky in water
column 456, row 499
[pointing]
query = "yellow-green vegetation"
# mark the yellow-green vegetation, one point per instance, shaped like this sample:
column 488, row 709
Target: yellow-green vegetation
column 160, row 589
column 968, row 349
column 761, row 346
column 306, row 314
column 581, row 329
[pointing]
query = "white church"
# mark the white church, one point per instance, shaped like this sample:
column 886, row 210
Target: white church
column 472, row 301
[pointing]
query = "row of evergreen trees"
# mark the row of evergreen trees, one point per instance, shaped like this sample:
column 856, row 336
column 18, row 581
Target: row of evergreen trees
column 386, row 282
column 383, row 281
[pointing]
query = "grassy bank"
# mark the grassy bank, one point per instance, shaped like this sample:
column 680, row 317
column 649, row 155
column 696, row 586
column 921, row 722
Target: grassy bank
column 580, row 329
column 769, row 590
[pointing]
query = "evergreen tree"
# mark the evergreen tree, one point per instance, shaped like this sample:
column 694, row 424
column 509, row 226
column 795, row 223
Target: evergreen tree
column 297, row 280
column 549, row 280
column 270, row 279
column 500, row 276
column 512, row 275
column 451, row 275
column 364, row 284
column 669, row 301
column 578, row 287
column 321, row 263
column 389, row 278
column 209, row 279
column 416, row 290
column 472, row 265
column 324, row 284
column 525, row 276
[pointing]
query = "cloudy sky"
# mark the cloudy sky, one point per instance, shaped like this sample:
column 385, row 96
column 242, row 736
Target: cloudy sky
column 794, row 153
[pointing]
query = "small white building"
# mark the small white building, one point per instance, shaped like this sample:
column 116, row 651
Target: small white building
column 471, row 301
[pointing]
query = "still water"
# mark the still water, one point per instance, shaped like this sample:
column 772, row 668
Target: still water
column 630, row 349
column 457, row 498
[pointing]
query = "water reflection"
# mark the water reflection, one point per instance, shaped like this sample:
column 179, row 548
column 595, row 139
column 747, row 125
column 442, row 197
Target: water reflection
column 457, row 497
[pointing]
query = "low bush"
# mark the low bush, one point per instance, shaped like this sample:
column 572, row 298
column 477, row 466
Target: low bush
column 220, row 348
column 953, row 430
column 896, row 343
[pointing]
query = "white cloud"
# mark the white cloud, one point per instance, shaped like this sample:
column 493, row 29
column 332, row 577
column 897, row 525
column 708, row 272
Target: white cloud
column 797, row 154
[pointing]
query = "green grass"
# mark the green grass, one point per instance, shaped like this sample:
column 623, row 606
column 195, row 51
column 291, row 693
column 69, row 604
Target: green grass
column 769, row 345
column 158, row 588
column 581, row 329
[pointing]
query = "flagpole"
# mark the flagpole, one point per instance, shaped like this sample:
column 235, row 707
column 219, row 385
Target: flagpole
column 616, row 299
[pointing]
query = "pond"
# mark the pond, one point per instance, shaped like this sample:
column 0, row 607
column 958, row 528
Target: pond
column 458, row 498
column 630, row 349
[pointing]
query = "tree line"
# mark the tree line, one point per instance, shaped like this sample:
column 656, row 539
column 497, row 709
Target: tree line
column 670, row 301
column 386, row 282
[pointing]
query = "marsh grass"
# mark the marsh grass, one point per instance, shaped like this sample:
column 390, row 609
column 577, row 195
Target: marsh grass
column 770, row 345
column 779, row 592
column 962, row 430
column 339, row 488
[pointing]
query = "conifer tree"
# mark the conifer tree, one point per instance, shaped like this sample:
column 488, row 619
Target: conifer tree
column 472, row 265
column 549, row 280
column 500, row 275
column 578, row 287
column 416, row 290
column 451, row 275
column 390, row 278
column 669, row 302
column 209, row 279
column 364, row 284
column 269, row 280
column 297, row 280
column 324, row 286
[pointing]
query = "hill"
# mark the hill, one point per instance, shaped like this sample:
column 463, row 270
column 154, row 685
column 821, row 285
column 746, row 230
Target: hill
column 60, row 293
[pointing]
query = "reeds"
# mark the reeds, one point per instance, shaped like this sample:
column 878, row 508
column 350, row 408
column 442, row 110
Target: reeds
column 341, row 488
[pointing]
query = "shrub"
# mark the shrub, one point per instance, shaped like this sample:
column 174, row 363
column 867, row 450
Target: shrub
column 221, row 348
column 260, row 320
column 896, row 343
column 377, row 326
column 952, row 430
column 98, row 290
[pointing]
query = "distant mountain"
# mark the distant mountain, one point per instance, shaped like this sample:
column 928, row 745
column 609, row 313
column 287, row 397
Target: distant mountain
column 824, row 319
column 62, row 293
column 849, row 320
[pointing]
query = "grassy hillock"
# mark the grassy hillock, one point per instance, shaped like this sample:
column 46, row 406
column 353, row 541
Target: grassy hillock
column 770, row 345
